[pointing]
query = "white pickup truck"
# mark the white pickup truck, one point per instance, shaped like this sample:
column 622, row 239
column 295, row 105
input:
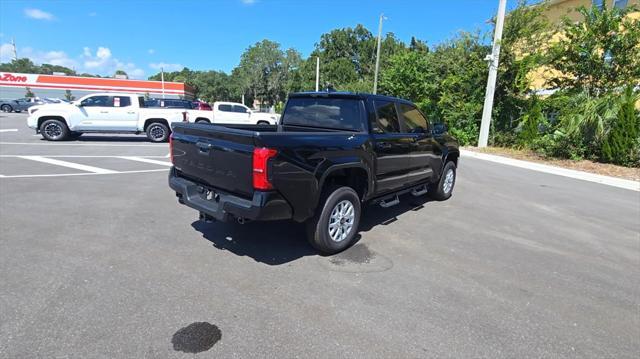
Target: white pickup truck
column 104, row 113
column 237, row 113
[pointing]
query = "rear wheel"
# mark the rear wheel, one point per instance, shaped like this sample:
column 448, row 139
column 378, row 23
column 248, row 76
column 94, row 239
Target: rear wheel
column 335, row 225
column 6, row 108
column 263, row 123
column 158, row 132
column 202, row 121
column 54, row 130
column 443, row 189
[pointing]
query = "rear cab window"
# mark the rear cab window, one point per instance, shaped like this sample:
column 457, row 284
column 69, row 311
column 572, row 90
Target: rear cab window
column 225, row 108
column 386, row 120
column 322, row 112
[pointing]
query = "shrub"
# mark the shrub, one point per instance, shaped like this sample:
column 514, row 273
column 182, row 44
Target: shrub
column 621, row 144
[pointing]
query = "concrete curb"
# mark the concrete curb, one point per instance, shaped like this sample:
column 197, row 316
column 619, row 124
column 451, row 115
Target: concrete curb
column 585, row 176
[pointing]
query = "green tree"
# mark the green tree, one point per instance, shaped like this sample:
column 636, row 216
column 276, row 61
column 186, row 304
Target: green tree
column 121, row 73
column 28, row 93
column 600, row 53
column 622, row 144
column 23, row 65
column 68, row 96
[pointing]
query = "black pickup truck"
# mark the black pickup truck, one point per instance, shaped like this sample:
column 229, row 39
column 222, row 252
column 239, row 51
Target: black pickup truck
column 331, row 153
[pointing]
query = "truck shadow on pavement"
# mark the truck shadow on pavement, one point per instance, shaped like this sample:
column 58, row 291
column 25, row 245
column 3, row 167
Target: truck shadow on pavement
column 271, row 243
column 280, row 242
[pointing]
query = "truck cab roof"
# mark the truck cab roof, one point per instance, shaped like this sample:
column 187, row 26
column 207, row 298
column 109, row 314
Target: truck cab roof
column 347, row 94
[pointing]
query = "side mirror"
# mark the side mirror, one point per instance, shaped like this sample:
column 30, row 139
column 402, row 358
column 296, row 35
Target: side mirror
column 440, row 128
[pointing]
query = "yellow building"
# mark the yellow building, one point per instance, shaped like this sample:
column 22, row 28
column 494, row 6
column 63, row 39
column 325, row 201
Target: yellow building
column 556, row 11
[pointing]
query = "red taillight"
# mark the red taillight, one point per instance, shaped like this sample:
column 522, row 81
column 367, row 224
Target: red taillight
column 261, row 158
column 171, row 147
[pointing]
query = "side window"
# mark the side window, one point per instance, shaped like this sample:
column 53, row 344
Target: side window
column 239, row 109
column 97, row 101
column 386, row 117
column 225, row 108
column 141, row 103
column 121, row 101
column 413, row 119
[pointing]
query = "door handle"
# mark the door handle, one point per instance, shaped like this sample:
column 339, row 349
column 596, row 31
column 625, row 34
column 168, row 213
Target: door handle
column 104, row 111
column 131, row 112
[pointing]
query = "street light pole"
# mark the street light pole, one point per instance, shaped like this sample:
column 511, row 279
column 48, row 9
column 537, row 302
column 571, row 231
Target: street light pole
column 317, row 73
column 162, row 79
column 493, row 74
column 375, row 76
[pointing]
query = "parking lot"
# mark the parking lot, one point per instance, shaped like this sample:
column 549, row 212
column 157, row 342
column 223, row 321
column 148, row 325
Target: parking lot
column 98, row 260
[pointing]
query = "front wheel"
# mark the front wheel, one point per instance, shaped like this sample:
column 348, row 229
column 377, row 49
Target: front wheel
column 158, row 132
column 443, row 189
column 6, row 108
column 54, row 130
column 335, row 225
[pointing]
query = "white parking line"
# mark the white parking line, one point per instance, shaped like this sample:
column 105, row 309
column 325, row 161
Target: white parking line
column 76, row 166
column 82, row 174
column 585, row 176
column 82, row 144
column 9, row 130
column 79, row 156
column 146, row 160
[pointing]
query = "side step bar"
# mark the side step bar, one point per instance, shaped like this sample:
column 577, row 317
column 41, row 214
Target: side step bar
column 386, row 204
column 417, row 192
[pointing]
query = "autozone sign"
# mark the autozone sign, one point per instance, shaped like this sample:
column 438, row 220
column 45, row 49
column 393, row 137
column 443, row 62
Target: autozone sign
column 12, row 78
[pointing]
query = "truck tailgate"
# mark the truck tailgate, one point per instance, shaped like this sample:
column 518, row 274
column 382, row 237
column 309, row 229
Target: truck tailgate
column 216, row 156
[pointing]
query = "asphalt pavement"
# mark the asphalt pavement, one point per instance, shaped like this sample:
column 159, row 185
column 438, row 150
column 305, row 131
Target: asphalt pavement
column 97, row 260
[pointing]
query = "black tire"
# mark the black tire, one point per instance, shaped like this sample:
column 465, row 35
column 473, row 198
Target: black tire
column 6, row 108
column 158, row 132
column 318, row 232
column 17, row 111
column 54, row 130
column 443, row 189
column 202, row 121
column 263, row 123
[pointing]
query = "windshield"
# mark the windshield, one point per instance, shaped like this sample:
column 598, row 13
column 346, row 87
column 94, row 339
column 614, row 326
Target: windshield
column 338, row 113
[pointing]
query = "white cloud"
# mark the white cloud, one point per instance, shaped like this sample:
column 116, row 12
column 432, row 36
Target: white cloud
column 6, row 53
column 166, row 67
column 38, row 14
column 249, row 2
column 93, row 13
column 104, row 63
column 151, row 51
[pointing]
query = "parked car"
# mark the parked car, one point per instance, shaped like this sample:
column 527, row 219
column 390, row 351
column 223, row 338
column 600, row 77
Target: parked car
column 103, row 113
column 18, row 105
column 330, row 154
column 168, row 103
column 237, row 113
column 202, row 106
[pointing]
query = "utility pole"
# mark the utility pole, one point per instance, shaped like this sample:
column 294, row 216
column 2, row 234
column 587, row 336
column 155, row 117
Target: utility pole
column 375, row 76
column 162, row 79
column 493, row 74
column 317, row 73
column 15, row 51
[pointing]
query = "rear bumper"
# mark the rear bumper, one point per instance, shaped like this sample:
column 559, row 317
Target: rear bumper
column 264, row 206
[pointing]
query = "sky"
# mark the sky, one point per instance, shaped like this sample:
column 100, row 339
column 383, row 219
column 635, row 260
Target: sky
column 140, row 37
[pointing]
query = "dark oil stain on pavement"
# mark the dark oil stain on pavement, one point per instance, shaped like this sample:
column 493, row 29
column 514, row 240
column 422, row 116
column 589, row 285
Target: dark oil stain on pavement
column 357, row 259
column 359, row 254
column 196, row 337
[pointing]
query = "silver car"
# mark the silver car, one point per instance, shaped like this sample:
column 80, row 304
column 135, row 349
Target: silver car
column 18, row 105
